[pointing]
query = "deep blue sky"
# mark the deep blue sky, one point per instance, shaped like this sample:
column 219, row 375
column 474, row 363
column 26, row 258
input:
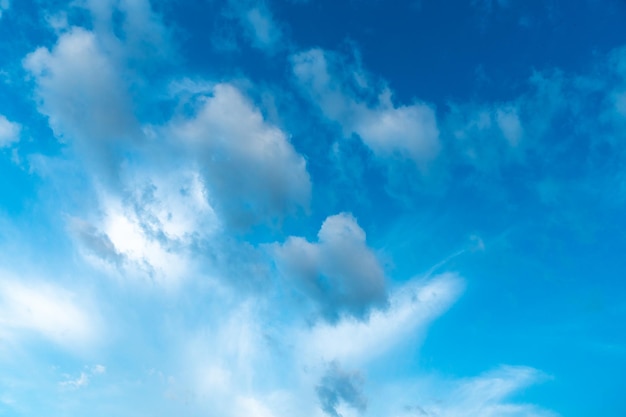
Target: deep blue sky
column 312, row 208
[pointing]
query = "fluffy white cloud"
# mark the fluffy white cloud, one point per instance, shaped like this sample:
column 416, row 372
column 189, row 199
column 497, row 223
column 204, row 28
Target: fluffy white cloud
column 339, row 272
column 9, row 132
column 81, row 90
column 251, row 170
column 344, row 95
column 46, row 310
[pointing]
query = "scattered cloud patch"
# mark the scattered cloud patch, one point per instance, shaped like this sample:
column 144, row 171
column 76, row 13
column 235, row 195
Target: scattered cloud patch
column 258, row 23
column 83, row 379
column 486, row 136
column 411, row 308
column 9, row 132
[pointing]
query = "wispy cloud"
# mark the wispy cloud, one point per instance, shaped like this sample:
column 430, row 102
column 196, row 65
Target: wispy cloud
column 39, row 308
column 344, row 93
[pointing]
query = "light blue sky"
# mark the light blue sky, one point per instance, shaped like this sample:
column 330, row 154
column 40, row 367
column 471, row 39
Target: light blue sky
column 312, row 208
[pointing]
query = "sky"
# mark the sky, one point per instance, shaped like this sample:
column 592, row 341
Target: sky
column 278, row 208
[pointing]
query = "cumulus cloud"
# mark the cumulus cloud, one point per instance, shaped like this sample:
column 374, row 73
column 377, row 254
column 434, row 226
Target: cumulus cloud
column 345, row 95
column 47, row 310
column 251, row 170
column 9, row 132
column 339, row 271
column 80, row 89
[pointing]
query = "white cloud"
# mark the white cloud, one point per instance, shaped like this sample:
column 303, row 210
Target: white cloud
column 148, row 245
column 251, row 171
column 9, row 132
column 345, row 96
column 81, row 381
column 46, row 310
column 412, row 308
column 340, row 272
column 80, row 89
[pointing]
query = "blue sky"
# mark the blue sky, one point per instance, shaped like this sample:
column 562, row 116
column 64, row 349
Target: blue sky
column 312, row 208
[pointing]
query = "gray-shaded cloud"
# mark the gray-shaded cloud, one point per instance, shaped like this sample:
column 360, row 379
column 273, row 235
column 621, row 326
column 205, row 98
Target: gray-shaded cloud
column 250, row 168
column 339, row 272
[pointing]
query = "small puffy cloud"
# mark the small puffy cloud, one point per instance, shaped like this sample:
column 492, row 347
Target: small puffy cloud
column 345, row 95
column 251, row 171
column 83, row 379
column 339, row 272
column 80, row 89
column 46, row 310
column 257, row 22
column 9, row 132
column 99, row 369
column 338, row 386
